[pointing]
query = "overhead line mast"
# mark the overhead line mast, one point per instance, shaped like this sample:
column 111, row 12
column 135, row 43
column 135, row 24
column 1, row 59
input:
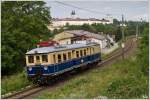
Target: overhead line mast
column 123, row 37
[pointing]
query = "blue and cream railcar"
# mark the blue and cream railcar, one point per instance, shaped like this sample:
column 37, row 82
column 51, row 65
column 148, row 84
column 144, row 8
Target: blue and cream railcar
column 45, row 62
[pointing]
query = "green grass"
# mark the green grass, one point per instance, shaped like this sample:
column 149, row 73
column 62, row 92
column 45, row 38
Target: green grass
column 13, row 82
column 122, row 79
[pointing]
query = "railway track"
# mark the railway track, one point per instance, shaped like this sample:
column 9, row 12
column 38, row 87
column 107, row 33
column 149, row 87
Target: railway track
column 61, row 80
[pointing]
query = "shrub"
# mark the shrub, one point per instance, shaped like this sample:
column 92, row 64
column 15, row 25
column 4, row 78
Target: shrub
column 127, row 88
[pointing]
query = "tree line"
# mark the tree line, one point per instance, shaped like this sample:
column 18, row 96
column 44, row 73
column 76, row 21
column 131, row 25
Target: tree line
column 112, row 29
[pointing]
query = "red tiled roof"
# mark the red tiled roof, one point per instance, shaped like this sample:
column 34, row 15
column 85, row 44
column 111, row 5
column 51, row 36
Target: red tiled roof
column 47, row 43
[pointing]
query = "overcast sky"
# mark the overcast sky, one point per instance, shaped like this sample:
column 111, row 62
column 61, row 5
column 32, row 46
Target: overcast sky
column 132, row 10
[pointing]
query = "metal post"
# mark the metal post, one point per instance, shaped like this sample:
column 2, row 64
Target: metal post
column 122, row 45
column 137, row 30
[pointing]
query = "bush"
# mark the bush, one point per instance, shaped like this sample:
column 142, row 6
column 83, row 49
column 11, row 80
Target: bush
column 143, row 53
column 127, row 88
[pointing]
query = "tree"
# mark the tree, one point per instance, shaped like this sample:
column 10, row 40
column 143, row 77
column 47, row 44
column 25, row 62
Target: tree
column 23, row 24
column 116, row 22
column 143, row 54
column 118, row 34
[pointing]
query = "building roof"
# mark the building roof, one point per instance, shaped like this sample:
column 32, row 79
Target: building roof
column 47, row 43
column 80, row 19
column 86, row 33
column 42, row 50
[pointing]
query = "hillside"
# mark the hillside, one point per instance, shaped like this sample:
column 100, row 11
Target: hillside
column 123, row 79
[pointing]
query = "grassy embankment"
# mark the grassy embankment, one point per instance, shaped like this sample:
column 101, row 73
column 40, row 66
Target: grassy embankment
column 17, row 81
column 122, row 79
column 14, row 82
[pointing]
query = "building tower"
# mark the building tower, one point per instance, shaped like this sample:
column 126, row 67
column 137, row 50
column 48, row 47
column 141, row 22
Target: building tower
column 73, row 14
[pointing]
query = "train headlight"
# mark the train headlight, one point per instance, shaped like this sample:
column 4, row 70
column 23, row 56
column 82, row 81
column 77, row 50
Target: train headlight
column 30, row 68
column 82, row 61
column 45, row 68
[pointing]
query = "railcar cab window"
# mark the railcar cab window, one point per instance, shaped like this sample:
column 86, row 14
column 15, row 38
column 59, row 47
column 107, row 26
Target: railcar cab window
column 59, row 58
column 31, row 59
column 44, row 58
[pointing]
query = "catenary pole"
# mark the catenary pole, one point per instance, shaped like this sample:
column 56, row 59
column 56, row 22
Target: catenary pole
column 123, row 40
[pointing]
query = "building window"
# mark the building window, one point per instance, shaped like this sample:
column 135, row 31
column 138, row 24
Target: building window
column 84, row 52
column 44, row 58
column 81, row 53
column 64, row 57
column 69, row 55
column 30, row 59
column 77, row 54
column 59, row 58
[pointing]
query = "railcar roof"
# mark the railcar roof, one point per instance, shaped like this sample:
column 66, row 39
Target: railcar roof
column 57, row 48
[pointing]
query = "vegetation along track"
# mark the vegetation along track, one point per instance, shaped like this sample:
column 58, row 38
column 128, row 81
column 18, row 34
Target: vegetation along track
column 63, row 78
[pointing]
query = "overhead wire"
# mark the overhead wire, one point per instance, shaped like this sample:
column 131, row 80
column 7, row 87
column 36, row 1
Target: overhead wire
column 80, row 8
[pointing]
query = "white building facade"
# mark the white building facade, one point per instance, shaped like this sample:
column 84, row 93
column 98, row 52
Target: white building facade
column 57, row 23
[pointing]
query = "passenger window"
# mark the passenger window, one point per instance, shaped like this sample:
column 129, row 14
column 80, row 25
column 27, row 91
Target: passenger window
column 44, row 58
column 84, row 52
column 73, row 53
column 64, row 57
column 37, row 58
column 77, row 54
column 30, row 59
column 59, row 58
column 93, row 50
column 54, row 58
column 81, row 54
column 69, row 55
column 87, row 50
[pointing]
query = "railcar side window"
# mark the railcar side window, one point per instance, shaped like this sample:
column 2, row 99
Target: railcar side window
column 93, row 50
column 81, row 54
column 77, row 54
column 87, row 50
column 84, row 52
column 69, row 55
column 64, row 57
column 90, row 50
column 30, row 59
column 44, row 58
column 59, row 58
column 54, row 58
column 37, row 58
